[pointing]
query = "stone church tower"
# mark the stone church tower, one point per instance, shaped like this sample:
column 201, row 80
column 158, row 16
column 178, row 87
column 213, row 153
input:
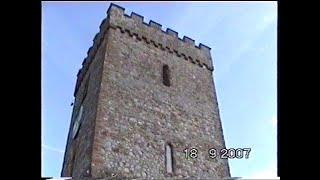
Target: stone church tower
column 143, row 99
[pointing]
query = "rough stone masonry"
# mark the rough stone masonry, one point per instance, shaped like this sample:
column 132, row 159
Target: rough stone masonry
column 143, row 99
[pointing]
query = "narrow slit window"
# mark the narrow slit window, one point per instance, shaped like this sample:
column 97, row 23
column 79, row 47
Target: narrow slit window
column 169, row 161
column 166, row 75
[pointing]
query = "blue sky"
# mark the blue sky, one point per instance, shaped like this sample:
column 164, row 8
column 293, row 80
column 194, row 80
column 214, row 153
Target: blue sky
column 243, row 38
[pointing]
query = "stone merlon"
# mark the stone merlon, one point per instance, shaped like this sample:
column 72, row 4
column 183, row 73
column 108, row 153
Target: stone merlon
column 149, row 32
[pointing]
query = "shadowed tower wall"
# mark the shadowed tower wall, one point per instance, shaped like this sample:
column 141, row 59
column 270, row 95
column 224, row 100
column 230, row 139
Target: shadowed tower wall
column 144, row 91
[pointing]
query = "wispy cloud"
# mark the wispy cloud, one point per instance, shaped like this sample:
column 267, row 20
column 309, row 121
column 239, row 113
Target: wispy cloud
column 268, row 19
column 193, row 16
column 52, row 148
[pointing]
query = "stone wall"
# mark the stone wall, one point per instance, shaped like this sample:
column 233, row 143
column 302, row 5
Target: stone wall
column 81, row 146
column 133, row 115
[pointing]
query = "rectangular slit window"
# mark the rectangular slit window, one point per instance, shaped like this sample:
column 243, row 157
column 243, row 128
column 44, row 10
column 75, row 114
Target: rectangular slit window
column 166, row 75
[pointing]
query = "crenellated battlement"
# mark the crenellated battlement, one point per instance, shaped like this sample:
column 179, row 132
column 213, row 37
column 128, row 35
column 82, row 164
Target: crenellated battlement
column 153, row 31
column 150, row 32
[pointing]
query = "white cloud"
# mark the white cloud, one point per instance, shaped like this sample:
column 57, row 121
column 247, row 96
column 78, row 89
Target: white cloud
column 52, row 148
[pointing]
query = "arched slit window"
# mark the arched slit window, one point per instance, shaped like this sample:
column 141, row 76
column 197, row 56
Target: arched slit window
column 169, row 159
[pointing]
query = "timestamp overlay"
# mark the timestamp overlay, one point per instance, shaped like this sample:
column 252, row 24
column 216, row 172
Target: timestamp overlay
column 232, row 153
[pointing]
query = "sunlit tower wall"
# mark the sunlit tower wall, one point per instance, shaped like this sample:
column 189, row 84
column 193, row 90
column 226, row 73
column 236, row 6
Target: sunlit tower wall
column 143, row 98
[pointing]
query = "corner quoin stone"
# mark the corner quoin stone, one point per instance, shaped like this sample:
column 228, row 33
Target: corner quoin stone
column 129, row 115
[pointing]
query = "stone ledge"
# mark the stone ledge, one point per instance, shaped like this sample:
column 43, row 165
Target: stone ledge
column 160, row 46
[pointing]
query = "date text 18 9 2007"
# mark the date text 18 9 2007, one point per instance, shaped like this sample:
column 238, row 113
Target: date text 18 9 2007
column 231, row 153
